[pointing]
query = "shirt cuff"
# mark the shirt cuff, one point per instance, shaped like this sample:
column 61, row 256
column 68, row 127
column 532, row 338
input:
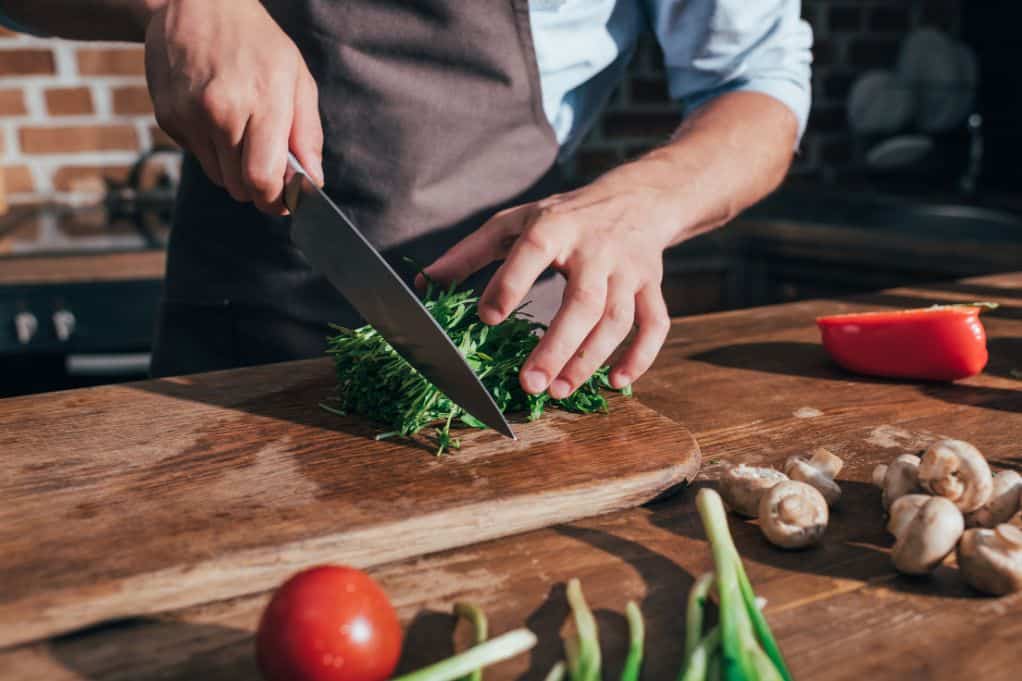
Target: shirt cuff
column 796, row 97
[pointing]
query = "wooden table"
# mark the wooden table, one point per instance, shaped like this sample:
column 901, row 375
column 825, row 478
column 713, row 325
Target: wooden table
column 754, row 386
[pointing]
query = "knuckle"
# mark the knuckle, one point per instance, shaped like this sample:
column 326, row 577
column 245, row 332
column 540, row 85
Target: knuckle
column 587, row 297
column 619, row 315
column 260, row 178
column 539, row 240
column 218, row 107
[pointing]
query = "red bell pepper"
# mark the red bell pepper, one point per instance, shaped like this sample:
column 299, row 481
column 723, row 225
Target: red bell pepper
column 940, row 343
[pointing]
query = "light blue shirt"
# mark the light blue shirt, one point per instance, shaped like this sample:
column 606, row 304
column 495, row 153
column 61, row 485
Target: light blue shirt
column 710, row 47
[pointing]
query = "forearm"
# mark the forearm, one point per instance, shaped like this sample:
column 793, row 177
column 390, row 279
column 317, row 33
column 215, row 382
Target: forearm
column 726, row 156
column 85, row 19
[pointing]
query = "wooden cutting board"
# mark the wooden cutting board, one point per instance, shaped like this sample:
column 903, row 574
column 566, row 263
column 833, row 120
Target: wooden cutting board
column 127, row 500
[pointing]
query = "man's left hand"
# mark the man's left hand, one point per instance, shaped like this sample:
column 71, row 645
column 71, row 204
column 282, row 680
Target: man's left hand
column 608, row 239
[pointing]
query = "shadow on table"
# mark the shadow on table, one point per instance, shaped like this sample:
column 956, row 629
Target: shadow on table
column 809, row 360
column 667, row 585
column 147, row 649
column 855, row 547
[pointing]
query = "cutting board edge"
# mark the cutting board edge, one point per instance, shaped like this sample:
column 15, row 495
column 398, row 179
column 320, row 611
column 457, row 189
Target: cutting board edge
column 250, row 572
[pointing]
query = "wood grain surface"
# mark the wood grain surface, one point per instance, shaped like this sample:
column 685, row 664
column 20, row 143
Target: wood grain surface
column 757, row 387
column 67, row 269
column 127, row 500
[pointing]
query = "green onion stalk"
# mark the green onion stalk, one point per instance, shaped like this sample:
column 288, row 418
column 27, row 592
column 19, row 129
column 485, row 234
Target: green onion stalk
column 485, row 654
column 748, row 649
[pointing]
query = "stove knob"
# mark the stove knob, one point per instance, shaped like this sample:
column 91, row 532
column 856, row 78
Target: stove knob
column 25, row 326
column 63, row 324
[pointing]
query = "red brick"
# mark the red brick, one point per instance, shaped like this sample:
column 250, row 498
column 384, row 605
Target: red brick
column 649, row 90
column 873, row 52
column 889, row 19
column 7, row 33
column 845, row 18
column 67, row 178
column 641, row 124
column 132, row 100
column 12, row 103
column 828, row 119
column 100, row 61
column 18, row 180
column 78, row 138
column 160, row 138
column 69, row 101
column 837, row 151
column 26, row 61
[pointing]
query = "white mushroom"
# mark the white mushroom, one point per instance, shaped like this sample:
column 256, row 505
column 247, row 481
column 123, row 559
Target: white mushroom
column 991, row 560
column 903, row 510
column 793, row 514
column 956, row 470
column 898, row 479
column 926, row 533
column 818, row 470
column 742, row 487
column 1003, row 503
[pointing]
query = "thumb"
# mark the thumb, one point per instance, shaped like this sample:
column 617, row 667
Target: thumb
column 488, row 243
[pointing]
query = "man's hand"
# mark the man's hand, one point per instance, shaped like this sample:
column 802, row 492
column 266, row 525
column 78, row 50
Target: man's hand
column 231, row 87
column 608, row 239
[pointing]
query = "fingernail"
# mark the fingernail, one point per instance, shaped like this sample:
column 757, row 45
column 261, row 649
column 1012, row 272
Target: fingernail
column 317, row 171
column 535, row 381
column 560, row 389
column 620, row 379
column 420, row 281
column 491, row 315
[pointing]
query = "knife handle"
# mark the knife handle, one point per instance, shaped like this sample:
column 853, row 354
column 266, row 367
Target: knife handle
column 293, row 189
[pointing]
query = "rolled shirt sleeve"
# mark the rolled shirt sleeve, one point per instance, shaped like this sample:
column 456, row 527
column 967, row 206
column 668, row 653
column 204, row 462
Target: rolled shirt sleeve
column 715, row 46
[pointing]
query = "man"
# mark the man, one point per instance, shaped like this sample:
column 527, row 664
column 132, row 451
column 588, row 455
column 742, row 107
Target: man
column 438, row 124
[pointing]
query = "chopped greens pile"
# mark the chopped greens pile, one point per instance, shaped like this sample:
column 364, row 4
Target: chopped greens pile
column 375, row 381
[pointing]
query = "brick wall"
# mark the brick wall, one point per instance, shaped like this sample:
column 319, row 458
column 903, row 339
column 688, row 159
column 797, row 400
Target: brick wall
column 852, row 36
column 69, row 113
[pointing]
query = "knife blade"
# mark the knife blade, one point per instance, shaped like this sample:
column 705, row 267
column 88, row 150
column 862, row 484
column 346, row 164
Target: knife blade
column 335, row 247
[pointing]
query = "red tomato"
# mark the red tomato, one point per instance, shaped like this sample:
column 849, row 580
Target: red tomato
column 939, row 344
column 328, row 623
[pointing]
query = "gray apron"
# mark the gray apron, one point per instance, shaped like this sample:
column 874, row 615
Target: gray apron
column 433, row 121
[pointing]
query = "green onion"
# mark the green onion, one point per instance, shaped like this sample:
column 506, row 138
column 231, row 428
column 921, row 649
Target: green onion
column 496, row 650
column 556, row 672
column 698, row 663
column 583, row 653
column 694, row 614
column 636, row 635
column 743, row 629
column 373, row 380
column 474, row 614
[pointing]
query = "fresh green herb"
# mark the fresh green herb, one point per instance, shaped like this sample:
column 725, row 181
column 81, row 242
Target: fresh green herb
column 475, row 615
column 375, row 381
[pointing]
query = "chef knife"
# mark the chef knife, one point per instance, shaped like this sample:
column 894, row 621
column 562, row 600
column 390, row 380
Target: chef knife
column 335, row 247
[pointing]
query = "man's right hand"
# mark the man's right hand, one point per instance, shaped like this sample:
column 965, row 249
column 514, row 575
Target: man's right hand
column 232, row 88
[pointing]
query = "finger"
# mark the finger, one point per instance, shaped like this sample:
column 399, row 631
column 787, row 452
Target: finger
column 228, row 152
column 611, row 330
column 584, row 301
column 533, row 252
column 264, row 156
column 306, row 140
column 654, row 323
column 485, row 245
column 205, row 151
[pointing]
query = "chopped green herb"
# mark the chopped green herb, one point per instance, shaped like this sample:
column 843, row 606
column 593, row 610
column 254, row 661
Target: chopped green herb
column 376, row 382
